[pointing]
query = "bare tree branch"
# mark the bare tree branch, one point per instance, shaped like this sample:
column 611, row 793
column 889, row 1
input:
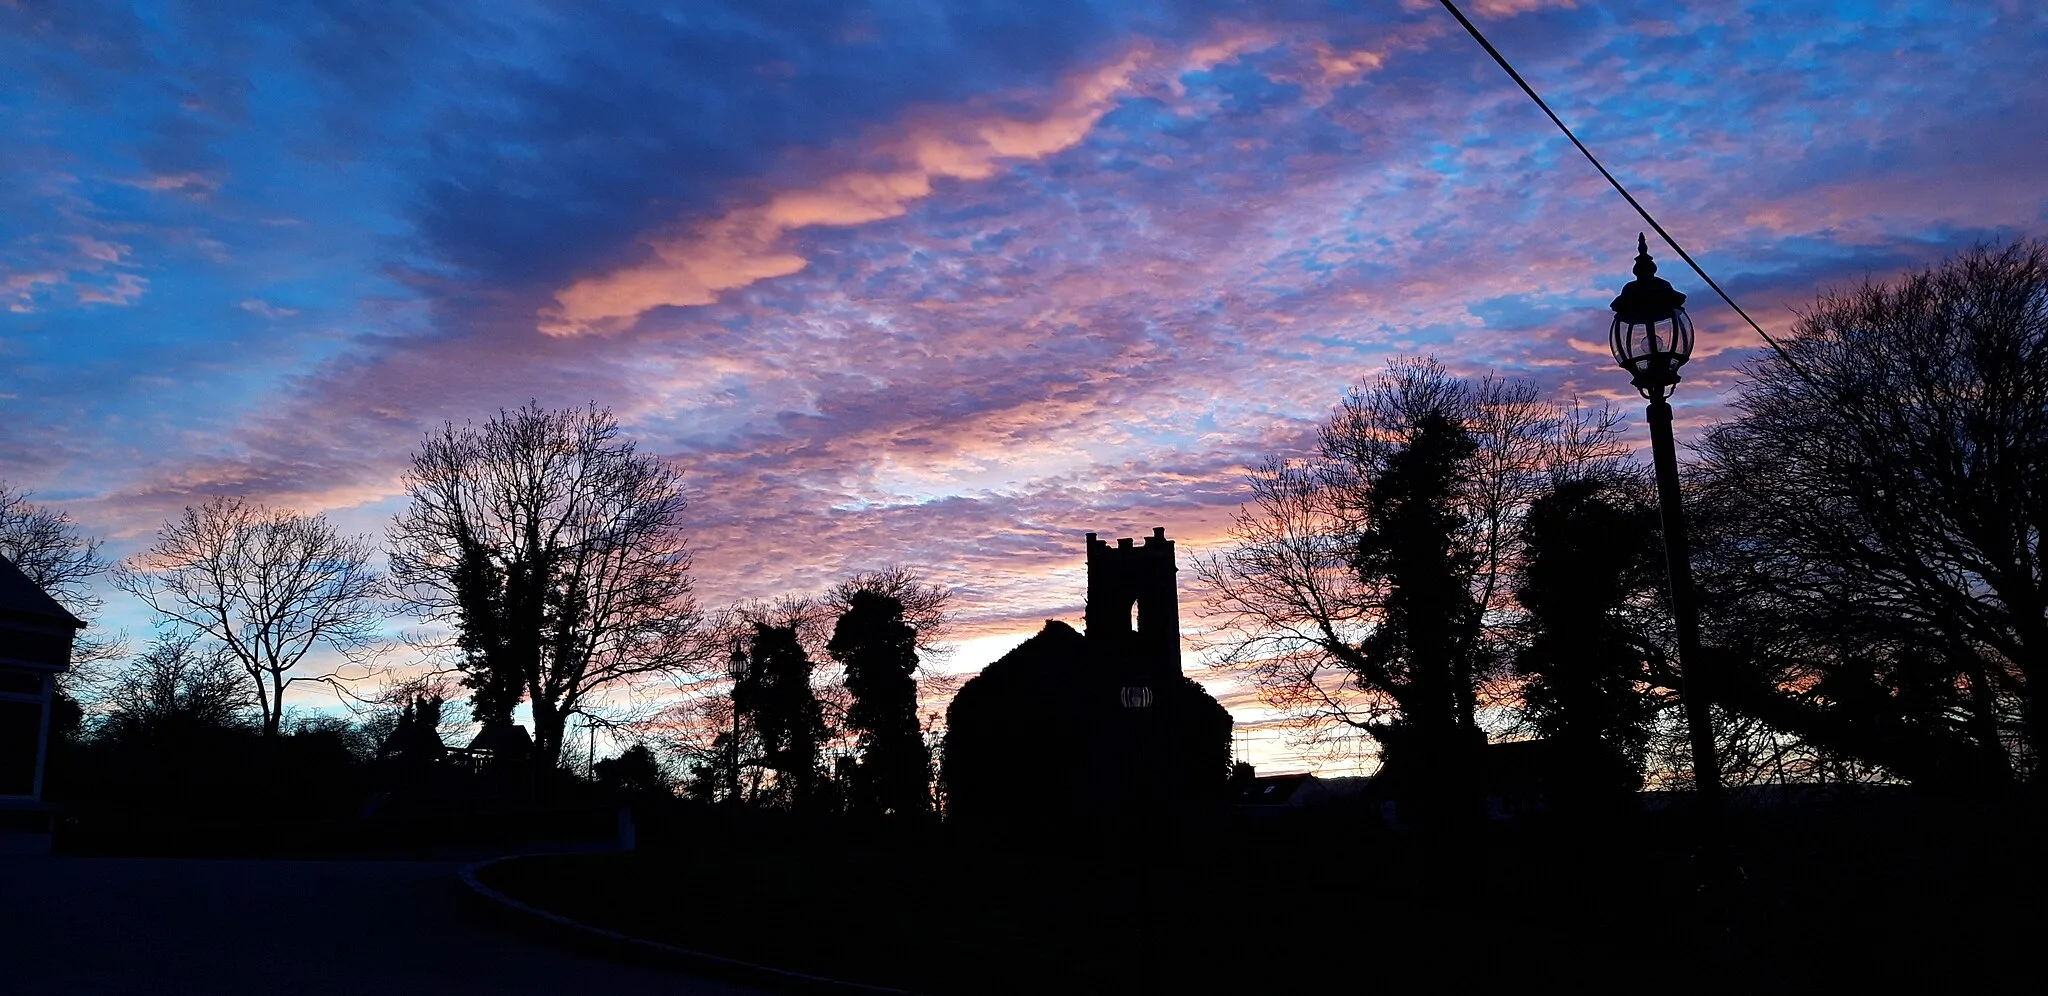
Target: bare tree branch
column 269, row 585
column 1296, row 608
column 556, row 553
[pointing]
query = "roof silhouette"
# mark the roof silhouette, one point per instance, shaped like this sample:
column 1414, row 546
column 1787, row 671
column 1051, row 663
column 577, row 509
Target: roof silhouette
column 1274, row 790
column 20, row 596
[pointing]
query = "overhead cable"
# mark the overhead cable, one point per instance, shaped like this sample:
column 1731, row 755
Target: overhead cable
column 1473, row 30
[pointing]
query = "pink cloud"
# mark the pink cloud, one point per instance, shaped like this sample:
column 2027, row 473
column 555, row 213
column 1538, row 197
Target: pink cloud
column 193, row 185
column 82, row 264
column 98, row 251
column 1509, row 8
column 21, row 290
column 120, row 290
column 264, row 309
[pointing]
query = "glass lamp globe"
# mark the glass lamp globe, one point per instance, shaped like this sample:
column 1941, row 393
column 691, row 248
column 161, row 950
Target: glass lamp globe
column 1651, row 336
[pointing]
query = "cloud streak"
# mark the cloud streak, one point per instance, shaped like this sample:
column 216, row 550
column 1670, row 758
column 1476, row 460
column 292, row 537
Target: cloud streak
column 750, row 244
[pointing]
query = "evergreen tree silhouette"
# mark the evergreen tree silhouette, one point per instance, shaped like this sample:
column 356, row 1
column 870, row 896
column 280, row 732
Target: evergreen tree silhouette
column 773, row 691
column 879, row 651
column 1592, row 554
column 1421, row 652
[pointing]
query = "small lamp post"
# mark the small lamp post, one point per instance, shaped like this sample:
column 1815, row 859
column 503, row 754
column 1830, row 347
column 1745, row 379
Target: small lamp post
column 1651, row 338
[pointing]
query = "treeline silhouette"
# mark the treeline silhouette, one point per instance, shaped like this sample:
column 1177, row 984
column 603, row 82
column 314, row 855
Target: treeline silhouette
column 1458, row 564
column 1870, row 552
column 552, row 556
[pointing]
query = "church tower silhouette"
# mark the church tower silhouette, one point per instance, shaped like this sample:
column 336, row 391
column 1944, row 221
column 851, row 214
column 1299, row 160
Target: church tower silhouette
column 1100, row 734
column 1125, row 577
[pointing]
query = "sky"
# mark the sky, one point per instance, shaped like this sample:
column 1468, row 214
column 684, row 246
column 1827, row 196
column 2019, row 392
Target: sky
column 938, row 284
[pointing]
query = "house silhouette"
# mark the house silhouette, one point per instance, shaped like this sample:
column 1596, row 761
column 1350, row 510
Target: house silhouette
column 35, row 647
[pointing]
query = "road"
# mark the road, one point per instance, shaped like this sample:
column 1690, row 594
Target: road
column 108, row 926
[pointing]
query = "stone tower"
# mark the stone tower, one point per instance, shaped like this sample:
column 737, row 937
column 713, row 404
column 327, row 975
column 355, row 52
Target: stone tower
column 1070, row 731
column 1127, row 577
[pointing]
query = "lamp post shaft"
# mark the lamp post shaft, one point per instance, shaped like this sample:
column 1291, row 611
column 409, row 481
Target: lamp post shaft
column 1699, row 716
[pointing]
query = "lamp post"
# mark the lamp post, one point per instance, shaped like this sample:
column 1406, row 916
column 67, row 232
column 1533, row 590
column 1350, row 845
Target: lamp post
column 1651, row 338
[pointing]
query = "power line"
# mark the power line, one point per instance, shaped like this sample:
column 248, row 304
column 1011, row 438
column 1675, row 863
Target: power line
column 1473, row 30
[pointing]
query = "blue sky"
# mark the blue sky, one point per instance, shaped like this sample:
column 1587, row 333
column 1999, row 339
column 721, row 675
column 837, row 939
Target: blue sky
column 946, row 285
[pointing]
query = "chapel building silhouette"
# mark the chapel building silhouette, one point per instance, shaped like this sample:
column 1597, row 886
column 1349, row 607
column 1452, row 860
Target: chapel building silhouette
column 1101, row 730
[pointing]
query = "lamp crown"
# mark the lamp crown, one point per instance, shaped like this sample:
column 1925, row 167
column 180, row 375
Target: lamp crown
column 1649, row 297
column 1645, row 266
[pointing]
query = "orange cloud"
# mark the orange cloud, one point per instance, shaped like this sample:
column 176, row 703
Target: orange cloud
column 746, row 244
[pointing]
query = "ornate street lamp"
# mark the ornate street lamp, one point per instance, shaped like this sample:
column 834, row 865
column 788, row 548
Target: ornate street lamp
column 1651, row 338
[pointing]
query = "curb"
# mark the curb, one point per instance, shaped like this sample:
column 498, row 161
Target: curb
column 668, row 953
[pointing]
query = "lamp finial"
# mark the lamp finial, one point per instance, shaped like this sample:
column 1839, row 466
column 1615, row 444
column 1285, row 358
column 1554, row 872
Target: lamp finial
column 1645, row 266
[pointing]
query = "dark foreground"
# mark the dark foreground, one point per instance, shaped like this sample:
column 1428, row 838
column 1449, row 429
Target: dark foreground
column 109, row 926
column 1907, row 893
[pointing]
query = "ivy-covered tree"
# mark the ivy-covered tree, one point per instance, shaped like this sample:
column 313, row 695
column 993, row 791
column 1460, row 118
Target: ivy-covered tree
column 1421, row 651
column 555, row 551
column 1368, row 585
column 772, row 692
column 878, row 649
column 1591, row 589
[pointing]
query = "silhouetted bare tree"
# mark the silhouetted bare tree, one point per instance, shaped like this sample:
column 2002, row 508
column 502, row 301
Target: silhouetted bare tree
column 1875, row 521
column 557, row 552
column 1368, row 584
column 180, row 683
column 713, row 739
column 924, row 604
column 267, row 585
